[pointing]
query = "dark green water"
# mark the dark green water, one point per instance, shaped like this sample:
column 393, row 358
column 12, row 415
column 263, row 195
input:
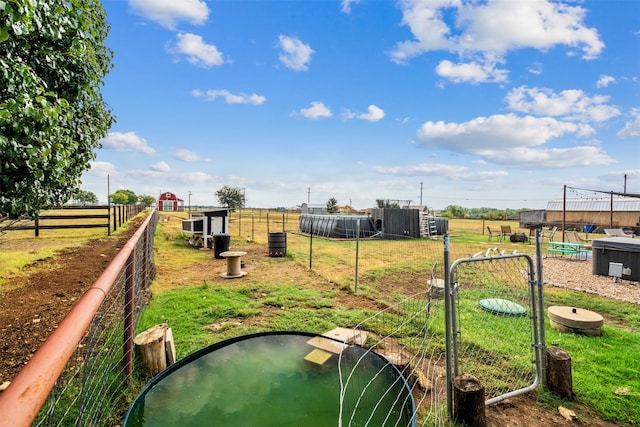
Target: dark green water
column 264, row 381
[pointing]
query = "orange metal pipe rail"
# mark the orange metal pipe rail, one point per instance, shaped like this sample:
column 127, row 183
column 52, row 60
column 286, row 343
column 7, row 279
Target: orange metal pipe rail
column 27, row 393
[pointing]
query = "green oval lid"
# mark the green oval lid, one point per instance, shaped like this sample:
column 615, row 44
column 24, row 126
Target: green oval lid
column 502, row 306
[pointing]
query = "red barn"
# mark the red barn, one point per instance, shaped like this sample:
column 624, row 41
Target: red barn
column 169, row 202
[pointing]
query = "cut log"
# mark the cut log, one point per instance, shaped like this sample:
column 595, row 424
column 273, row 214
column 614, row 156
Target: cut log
column 559, row 380
column 468, row 401
column 401, row 361
column 150, row 346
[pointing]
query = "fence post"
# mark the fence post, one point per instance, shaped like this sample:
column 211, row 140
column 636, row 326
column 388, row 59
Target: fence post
column 357, row 253
column 37, row 221
column 145, row 259
column 129, row 310
column 541, row 345
column 448, row 297
column 311, row 246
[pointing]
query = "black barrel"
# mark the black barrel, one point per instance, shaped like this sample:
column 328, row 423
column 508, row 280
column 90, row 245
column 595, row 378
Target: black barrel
column 220, row 244
column 277, row 244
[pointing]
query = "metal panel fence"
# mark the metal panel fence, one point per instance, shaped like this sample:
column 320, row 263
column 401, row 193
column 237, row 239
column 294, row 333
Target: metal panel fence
column 82, row 374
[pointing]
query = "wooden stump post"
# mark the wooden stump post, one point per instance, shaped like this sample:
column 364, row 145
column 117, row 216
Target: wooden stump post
column 559, row 380
column 150, row 346
column 401, row 362
column 468, row 401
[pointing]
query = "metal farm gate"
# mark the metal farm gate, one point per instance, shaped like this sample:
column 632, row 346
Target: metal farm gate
column 494, row 306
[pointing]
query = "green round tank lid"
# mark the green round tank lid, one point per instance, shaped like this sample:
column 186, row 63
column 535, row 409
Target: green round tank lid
column 502, row 306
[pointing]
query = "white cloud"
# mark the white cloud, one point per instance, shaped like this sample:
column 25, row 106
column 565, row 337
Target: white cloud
column 452, row 172
column 169, row 12
column 373, row 114
column 295, row 55
column 197, row 177
column 102, row 168
column 161, row 167
column 631, row 128
column 536, row 68
column 147, row 174
column 486, row 31
column 504, row 25
column 605, row 81
column 347, row 114
column 196, row 50
column 317, row 111
column 345, row 5
column 513, row 141
column 230, row 98
column 187, row 155
column 571, row 104
column 127, row 141
column 471, row 72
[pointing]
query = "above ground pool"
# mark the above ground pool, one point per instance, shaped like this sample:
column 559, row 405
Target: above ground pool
column 275, row 379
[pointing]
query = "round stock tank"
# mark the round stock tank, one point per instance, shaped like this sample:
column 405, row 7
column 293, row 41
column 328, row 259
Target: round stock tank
column 277, row 244
column 276, row 379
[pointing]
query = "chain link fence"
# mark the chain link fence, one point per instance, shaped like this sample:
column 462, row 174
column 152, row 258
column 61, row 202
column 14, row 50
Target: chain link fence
column 494, row 323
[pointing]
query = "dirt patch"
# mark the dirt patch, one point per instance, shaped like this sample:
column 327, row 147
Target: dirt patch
column 35, row 303
column 38, row 301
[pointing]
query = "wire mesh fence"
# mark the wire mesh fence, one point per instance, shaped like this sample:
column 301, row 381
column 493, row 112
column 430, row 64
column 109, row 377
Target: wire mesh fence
column 494, row 323
column 97, row 380
column 410, row 335
column 405, row 277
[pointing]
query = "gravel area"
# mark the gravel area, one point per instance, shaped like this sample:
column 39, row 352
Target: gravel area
column 574, row 274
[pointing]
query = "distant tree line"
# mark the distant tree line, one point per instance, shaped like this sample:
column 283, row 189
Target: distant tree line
column 455, row 211
column 128, row 197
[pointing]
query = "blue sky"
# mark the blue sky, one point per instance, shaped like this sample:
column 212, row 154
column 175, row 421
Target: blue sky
column 496, row 103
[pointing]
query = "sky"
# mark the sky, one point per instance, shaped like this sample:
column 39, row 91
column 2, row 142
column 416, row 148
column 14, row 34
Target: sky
column 482, row 103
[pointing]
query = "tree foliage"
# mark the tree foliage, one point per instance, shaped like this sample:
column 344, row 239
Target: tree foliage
column 84, row 197
column 454, row 211
column 230, row 197
column 332, row 205
column 53, row 59
column 124, row 197
column 382, row 203
column 146, row 200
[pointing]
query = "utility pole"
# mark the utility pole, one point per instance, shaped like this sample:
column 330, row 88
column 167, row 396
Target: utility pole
column 189, row 203
column 421, row 194
column 625, row 183
column 308, row 194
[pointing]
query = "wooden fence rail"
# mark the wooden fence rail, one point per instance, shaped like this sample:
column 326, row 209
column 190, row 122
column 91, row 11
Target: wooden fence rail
column 113, row 216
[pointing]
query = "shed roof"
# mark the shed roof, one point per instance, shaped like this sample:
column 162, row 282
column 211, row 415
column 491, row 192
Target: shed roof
column 620, row 204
